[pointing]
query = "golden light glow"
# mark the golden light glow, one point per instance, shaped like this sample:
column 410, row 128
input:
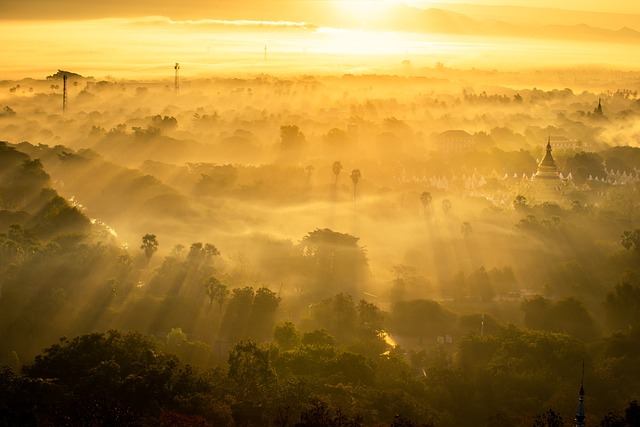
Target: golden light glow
column 366, row 10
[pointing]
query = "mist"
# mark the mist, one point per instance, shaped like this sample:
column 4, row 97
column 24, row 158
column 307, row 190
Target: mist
column 273, row 220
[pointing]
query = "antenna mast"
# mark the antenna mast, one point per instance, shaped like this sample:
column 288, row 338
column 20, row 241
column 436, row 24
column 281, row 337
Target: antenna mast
column 64, row 93
column 177, row 81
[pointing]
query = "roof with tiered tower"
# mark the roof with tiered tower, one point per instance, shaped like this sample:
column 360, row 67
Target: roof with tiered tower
column 546, row 181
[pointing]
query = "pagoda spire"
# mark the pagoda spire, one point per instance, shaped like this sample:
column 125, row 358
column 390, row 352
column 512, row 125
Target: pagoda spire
column 580, row 411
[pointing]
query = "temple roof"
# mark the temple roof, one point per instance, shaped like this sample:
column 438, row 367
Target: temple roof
column 548, row 158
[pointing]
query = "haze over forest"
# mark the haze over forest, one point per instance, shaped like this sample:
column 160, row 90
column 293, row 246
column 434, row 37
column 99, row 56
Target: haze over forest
column 339, row 213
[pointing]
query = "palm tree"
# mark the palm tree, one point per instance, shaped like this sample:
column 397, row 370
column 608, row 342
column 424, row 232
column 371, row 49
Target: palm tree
column 149, row 245
column 337, row 167
column 309, row 170
column 425, row 198
column 355, row 177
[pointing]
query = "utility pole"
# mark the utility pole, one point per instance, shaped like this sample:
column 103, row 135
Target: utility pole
column 177, row 81
column 64, row 93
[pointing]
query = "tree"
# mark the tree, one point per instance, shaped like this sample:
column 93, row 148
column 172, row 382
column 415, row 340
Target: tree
column 632, row 413
column 110, row 378
column 210, row 250
column 254, row 379
column 446, row 206
column 320, row 414
column 291, row 138
column 263, row 313
column 149, row 245
column 425, row 199
column 623, row 303
column 420, row 318
column 466, row 229
column 337, row 168
column 337, row 315
column 236, row 316
column 631, row 241
column 309, row 171
column 216, row 291
column 336, row 139
column 520, row 202
column 548, row 419
column 355, row 177
column 333, row 259
column 286, row 336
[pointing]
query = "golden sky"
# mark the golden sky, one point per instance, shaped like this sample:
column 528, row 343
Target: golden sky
column 204, row 9
column 118, row 37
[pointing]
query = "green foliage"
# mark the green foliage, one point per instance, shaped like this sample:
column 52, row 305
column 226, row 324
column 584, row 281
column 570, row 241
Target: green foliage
column 631, row 241
column 567, row 315
column 334, row 261
column 216, row 291
column 319, row 414
column 193, row 352
column 286, row 336
column 250, row 314
column 422, row 319
column 623, row 303
column 109, row 377
column 57, row 217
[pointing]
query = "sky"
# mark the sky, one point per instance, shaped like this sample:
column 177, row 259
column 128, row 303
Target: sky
column 117, row 38
column 61, row 9
column 614, row 6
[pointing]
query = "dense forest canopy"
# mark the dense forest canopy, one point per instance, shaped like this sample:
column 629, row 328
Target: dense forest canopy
column 318, row 250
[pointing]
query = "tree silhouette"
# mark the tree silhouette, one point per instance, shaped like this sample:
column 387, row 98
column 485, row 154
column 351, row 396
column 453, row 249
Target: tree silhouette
column 216, row 291
column 355, row 177
column 520, row 202
column 630, row 240
column 446, row 206
column 425, row 198
column 466, row 229
column 337, row 167
column 291, row 138
column 149, row 245
column 548, row 419
column 309, row 171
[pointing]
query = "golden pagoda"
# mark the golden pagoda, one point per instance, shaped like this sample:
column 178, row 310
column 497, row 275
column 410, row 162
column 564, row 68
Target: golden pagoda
column 546, row 185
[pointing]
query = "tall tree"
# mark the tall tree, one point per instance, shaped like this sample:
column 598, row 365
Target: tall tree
column 216, row 291
column 466, row 229
column 355, row 177
column 333, row 260
column 425, row 199
column 337, row 168
column 149, row 245
column 446, row 206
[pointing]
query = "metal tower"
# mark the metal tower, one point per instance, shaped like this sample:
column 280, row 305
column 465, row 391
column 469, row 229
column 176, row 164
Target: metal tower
column 177, row 81
column 64, row 93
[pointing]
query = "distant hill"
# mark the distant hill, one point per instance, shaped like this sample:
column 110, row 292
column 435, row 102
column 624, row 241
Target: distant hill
column 440, row 21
